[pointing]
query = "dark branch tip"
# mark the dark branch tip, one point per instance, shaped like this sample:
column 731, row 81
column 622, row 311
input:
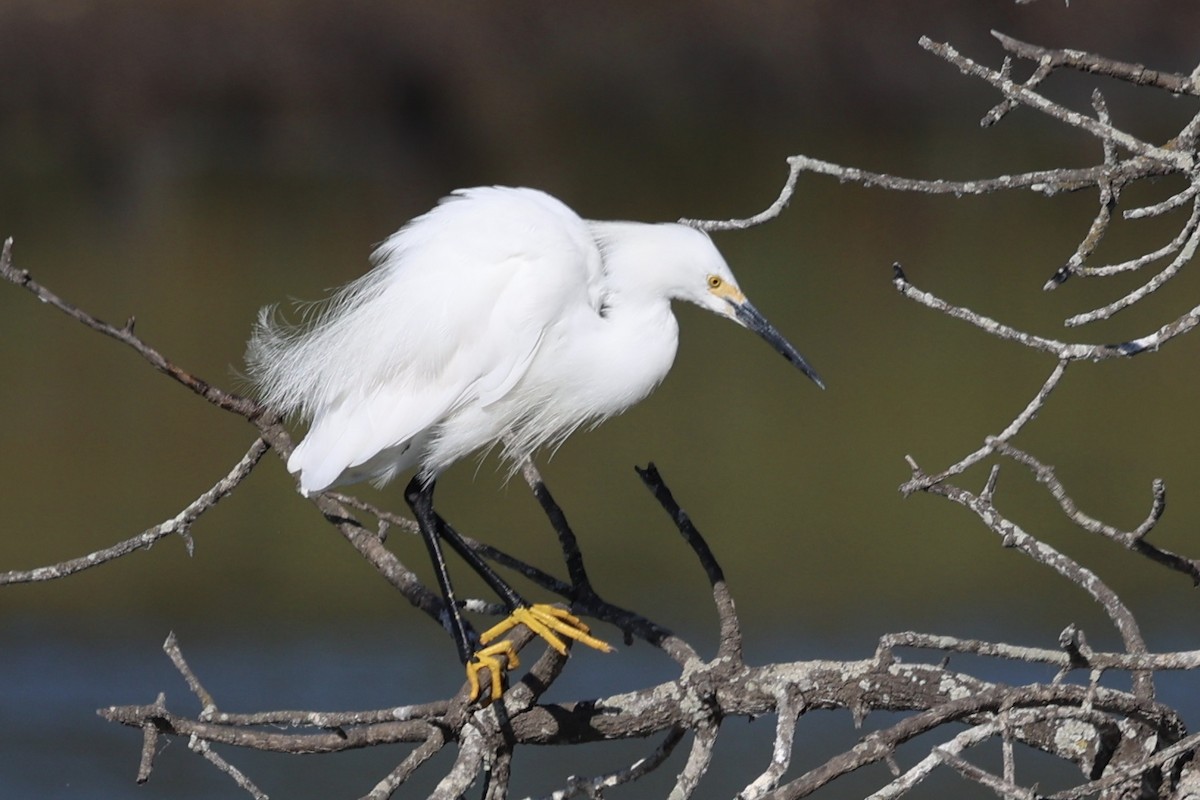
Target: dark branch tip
column 1060, row 276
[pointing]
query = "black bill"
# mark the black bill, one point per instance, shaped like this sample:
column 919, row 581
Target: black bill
column 749, row 316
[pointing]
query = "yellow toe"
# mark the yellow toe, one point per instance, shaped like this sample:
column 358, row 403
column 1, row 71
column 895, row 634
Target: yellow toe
column 550, row 623
column 496, row 659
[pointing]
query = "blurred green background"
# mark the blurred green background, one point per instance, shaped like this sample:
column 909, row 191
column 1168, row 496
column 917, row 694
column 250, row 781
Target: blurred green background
column 189, row 162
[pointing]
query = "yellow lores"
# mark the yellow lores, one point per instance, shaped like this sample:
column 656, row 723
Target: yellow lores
column 725, row 290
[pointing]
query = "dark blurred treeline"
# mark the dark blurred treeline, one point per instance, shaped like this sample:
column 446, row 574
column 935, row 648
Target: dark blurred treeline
column 130, row 94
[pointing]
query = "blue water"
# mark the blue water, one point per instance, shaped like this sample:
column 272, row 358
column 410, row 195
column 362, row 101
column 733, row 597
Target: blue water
column 55, row 675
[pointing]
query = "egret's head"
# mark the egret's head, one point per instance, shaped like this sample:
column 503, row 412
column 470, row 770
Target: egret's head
column 677, row 262
column 721, row 295
column 724, row 297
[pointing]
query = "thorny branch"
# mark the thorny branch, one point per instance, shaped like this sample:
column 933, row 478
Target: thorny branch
column 1124, row 743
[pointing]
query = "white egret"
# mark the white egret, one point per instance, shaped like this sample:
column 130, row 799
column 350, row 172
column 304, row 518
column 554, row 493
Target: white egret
column 498, row 317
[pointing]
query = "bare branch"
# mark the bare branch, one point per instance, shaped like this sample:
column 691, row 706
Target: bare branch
column 1133, row 540
column 1099, row 65
column 171, row 648
column 200, row 746
column 150, row 743
column 698, row 760
column 411, row 763
column 179, row 524
column 1170, row 204
column 769, row 213
column 1183, row 660
column 593, row 787
column 1176, row 159
column 347, row 738
column 243, row 406
column 787, row 710
column 731, row 633
column 1089, row 243
column 1154, row 284
column 1063, row 350
column 331, row 720
column 1045, row 182
column 1012, row 535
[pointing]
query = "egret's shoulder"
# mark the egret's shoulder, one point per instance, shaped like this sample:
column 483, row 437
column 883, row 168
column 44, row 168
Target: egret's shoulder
column 512, row 201
column 652, row 246
column 488, row 226
column 614, row 234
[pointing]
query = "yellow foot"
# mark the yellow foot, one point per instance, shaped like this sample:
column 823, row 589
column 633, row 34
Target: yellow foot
column 489, row 658
column 549, row 622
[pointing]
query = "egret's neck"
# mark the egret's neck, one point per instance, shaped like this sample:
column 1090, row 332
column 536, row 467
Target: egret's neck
column 603, row 364
column 633, row 349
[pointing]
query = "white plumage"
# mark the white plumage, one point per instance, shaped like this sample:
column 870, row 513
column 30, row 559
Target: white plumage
column 498, row 316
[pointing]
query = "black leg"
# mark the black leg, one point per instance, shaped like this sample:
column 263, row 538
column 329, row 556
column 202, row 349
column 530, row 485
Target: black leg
column 506, row 593
column 419, row 495
column 434, row 530
column 581, row 586
column 554, row 625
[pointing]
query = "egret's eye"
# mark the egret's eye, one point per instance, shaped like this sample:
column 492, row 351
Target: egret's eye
column 714, row 282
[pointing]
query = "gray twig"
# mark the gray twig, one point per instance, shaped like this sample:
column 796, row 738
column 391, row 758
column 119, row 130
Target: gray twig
column 198, row 745
column 171, row 648
column 179, row 524
column 594, row 787
column 1136, row 74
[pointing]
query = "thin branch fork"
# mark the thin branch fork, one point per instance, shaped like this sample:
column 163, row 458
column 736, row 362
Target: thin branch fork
column 179, row 524
column 1134, row 540
column 1179, row 160
column 1075, row 266
column 1062, row 350
column 949, row 753
column 1064, row 659
column 229, row 401
column 1012, row 535
column 920, row 481
column 1137, row 74
column 1186, row 251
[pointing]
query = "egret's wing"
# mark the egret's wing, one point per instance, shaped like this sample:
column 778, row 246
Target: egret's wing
column 355, row 431
column 551, row 265
column 454, row 313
